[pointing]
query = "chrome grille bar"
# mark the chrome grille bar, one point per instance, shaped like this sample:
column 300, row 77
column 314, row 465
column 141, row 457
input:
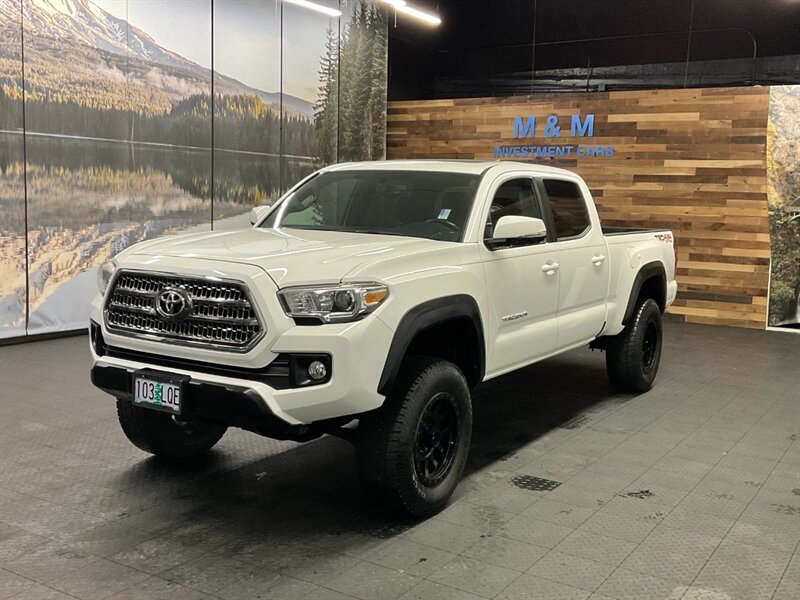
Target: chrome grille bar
column 222, row 315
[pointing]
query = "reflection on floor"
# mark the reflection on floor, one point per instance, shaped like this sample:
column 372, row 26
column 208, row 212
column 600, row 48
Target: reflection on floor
column 689, row 491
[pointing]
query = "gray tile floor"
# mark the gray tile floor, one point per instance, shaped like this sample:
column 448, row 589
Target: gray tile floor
column 690, row 491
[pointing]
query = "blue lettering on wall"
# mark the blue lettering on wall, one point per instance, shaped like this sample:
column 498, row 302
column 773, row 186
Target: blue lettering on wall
column 579, row 126
column 551, row 129
column 528, row 129
column 578, row 129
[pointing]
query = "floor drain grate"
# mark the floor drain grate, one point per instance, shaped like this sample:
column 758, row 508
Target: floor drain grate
column 534, row 484
column 575, row 422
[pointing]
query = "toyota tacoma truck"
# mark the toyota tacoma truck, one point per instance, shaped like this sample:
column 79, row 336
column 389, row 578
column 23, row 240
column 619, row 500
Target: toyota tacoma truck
column 366, row 303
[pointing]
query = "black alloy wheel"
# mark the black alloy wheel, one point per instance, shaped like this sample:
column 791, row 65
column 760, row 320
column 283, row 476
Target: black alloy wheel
column 437, row 437
column 633, row 356
column 649, row 347
column 412, row 451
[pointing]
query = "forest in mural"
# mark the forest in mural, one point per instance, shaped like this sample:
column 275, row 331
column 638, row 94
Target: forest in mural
column 352, row 98
column 129, row 134
column 783, row 192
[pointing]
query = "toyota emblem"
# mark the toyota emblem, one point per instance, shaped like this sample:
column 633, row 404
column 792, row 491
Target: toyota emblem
column 174, row 304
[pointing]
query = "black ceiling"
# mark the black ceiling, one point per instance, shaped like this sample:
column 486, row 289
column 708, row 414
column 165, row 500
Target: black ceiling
column 479, row 39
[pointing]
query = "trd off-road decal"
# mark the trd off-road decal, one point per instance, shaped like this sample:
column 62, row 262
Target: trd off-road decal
column 664, row 237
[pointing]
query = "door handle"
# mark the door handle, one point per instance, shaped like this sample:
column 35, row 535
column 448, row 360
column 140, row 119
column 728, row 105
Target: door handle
column 550, row 268
column 598, row 260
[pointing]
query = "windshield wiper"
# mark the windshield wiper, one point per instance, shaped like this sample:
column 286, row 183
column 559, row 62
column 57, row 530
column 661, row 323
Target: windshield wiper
column 306, row 228
column 373, row 231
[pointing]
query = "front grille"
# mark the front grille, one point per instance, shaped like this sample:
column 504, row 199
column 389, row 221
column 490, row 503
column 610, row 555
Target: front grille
column 222, row 314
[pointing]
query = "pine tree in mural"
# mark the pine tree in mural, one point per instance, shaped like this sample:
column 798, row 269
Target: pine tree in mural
column 326, row 122
column 359, row 84
column 378, row 74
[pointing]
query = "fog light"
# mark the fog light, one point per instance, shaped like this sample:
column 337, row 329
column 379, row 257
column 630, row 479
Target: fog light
column 317, row 370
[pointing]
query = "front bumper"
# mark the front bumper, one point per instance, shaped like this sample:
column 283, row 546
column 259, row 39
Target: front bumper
column 357, row 351
column 259, row 398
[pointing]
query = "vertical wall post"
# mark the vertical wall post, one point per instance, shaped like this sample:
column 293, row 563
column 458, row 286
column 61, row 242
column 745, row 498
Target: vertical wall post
column 25, row 167
column 212, row 115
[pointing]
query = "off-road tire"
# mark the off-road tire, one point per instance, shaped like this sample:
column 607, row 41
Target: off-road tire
column 632, row 356
column 158, row 433
column 388, row 440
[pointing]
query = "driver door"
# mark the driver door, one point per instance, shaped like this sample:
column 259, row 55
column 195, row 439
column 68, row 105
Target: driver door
column 522, row 283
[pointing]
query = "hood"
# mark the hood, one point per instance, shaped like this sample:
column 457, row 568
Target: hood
column 291, row 257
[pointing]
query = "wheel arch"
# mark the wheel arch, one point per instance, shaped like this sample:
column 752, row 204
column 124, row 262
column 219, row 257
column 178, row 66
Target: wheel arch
column 449, row 327
column 650, row 282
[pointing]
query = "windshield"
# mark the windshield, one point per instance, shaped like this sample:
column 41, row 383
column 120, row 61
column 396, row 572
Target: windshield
column 425, row 204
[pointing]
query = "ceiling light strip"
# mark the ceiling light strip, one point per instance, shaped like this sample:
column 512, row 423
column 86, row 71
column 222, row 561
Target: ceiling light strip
column 402, row 7
column 331, row 12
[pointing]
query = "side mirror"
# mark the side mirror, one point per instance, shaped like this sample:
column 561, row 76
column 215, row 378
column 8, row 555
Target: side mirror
column 513, row 231
column 258, row 213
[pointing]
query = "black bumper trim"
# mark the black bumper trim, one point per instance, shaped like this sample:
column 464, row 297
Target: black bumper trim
column 231, row 405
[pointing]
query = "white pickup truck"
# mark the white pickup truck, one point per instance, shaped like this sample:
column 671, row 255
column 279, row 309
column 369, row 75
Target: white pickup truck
column 367, row 303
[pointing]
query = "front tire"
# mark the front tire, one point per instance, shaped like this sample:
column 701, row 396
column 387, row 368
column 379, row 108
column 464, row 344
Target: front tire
column 160, row 434
column 633, row 356
column 412, row 451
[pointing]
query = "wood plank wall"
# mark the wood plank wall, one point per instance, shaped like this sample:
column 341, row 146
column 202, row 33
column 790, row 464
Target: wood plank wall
column 692, row 160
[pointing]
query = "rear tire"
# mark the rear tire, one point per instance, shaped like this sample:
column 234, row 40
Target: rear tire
column 158, row 433
column 632, row 356
column 412, row 451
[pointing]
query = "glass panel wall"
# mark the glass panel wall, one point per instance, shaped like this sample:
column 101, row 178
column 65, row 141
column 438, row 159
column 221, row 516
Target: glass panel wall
column 142, row 118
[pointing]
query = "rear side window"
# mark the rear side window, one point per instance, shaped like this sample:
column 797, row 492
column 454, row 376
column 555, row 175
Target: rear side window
column 570, row 216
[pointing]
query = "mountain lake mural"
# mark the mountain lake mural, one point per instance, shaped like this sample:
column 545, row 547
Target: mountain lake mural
column 126, row 133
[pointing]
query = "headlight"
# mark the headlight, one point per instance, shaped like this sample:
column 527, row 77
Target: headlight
column 104, row 275
column 335, row 303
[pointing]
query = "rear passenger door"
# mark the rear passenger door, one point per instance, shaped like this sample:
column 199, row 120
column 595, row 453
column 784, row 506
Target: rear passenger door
column 583, row 265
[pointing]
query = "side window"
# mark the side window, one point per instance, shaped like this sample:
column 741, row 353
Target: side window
column 569, row 208
column 514, row 197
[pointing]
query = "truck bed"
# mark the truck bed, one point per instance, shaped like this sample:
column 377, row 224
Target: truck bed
column 609, row 231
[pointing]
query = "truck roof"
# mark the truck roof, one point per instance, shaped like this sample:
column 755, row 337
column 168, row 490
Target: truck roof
column 476, row 167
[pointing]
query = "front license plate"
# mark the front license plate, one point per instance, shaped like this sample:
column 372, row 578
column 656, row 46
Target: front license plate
column 158, row 391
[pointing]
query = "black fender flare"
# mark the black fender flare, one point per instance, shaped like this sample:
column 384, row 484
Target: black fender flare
column 647, row 271
column 424, row 316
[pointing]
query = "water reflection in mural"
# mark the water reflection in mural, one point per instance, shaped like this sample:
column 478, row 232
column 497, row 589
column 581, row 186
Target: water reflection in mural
column 118, row 113
column 13, row 286
column 88, row 200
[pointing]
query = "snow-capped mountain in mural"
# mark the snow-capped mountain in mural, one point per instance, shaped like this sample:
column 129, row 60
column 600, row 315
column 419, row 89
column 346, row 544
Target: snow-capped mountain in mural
column 59, row 28
column 87, row 23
